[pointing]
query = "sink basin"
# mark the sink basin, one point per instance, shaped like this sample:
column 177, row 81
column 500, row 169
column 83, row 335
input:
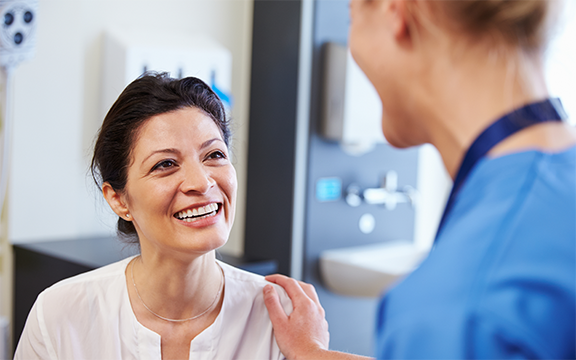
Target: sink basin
column 369, row 270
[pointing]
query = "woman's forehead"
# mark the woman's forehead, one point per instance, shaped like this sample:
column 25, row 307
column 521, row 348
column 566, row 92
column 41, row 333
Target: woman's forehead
column 187, row 125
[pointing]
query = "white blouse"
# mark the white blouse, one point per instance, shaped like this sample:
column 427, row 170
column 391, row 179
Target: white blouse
column 89, row 316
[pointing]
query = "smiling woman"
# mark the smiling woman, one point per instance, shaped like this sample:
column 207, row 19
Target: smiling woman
column 179, row 163
column 147, row 97
column 163, row 164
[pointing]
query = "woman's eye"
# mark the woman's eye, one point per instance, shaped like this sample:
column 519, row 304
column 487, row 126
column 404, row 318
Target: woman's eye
column 164, row 164
column 217, row 155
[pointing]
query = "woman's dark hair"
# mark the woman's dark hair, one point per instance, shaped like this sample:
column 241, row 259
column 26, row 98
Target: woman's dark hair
column 145, row 97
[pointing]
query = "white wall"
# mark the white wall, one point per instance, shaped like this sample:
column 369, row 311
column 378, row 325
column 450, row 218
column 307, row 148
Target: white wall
column 57, row 106
column 561, row 61
column 57, row 113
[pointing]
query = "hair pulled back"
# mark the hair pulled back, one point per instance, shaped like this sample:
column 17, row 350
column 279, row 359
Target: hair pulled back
column 519, row 23
column 145, row 97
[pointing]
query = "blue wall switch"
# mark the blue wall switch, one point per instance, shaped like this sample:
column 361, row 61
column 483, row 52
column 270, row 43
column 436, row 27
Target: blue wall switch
column 328, row 189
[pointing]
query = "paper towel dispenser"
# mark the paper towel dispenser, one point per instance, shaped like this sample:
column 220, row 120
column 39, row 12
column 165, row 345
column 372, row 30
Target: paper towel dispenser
column 351, row 108
column 130, row 52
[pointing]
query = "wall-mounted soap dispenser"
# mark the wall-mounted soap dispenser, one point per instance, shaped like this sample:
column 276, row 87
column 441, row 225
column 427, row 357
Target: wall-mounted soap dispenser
column 351, row 109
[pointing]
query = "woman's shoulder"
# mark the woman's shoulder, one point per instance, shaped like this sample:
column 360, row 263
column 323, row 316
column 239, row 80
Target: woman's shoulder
column 86, row 306
column 250, row 285
column 244, row 325
column 240, row 276
column 86, row 288
column 102, row 273
column 553, row 164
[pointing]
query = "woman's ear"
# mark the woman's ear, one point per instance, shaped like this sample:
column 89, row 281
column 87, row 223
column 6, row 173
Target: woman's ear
column 400, row 15
column 116, row 201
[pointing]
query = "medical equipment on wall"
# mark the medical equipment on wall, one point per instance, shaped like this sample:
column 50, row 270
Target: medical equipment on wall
column 351, row 108
column 128, row 53
column 17, row 43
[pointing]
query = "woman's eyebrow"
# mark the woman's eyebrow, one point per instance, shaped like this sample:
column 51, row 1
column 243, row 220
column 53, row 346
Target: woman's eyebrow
column 207, row 143
column 162, row 151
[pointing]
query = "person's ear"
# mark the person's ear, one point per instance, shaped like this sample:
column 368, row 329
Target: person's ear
column 400, row 17
column 116, row 201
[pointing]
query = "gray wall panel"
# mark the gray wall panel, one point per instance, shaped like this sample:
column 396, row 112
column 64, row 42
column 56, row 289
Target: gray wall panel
column 335, row 224
column 273, row 108
column 273, row 94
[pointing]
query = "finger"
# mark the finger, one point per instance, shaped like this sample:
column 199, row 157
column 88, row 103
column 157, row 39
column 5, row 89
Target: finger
column 291, row 286
column 275, row 278
column 310, row 290
column 282, row 280
column 275, row 309
column 295, row 289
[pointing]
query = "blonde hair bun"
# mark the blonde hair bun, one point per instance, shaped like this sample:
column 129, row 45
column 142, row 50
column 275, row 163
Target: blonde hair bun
column 523, row 23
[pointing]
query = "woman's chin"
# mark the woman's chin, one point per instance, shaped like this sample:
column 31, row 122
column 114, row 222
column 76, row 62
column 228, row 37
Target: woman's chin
column 396, row 141
column 400, row 140
column 212, row 244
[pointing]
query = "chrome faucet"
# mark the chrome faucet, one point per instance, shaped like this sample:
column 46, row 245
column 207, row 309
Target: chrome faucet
column 387, row 195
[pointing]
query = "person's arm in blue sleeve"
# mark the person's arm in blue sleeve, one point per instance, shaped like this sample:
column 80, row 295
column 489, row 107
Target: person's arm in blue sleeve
column 433, row 339
column 303, row 334
column 446, row 333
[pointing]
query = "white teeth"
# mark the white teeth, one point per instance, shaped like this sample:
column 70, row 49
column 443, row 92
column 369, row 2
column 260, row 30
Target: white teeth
column 198, row 213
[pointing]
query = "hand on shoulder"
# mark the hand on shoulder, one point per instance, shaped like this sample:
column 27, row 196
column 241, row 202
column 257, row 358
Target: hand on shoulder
column 304, row 333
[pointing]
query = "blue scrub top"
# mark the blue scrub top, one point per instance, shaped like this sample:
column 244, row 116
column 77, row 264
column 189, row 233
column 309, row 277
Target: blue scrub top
column 501, row 279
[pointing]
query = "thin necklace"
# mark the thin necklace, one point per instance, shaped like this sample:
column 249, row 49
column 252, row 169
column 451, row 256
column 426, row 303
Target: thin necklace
column 179, row 320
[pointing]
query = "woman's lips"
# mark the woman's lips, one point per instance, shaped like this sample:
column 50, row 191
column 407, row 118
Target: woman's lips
column 195, row 214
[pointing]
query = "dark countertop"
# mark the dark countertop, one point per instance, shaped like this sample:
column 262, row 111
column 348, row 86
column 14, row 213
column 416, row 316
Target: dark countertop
column 91, row 252
column 100, row 251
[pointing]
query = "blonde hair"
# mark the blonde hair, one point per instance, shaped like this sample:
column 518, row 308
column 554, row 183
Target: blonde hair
column 519, row 23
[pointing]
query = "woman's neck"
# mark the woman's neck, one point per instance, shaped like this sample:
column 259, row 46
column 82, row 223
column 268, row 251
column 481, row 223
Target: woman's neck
column 176, row 289
column 469, row 92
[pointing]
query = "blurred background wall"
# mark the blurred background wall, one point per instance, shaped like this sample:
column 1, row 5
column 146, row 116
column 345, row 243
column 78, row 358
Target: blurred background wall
column 57, row 112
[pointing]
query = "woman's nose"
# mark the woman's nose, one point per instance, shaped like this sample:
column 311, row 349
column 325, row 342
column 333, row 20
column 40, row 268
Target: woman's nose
column 197, row 179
